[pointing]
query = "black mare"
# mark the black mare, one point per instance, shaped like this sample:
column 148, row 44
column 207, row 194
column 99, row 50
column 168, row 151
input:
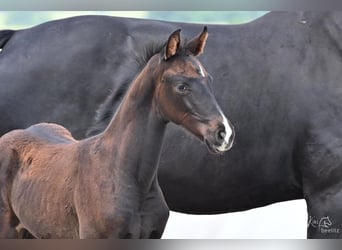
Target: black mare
column 278, row 79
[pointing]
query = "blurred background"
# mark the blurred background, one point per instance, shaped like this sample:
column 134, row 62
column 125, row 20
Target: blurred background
column 23, row 19
column 286, row 220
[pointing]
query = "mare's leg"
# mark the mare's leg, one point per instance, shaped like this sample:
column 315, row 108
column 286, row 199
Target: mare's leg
column 325, row 214
column 322, row 184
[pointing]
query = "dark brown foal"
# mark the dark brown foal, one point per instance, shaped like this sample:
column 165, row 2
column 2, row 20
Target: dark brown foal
column 106, row 186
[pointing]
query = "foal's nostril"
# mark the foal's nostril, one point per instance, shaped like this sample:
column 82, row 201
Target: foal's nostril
column 220, row 135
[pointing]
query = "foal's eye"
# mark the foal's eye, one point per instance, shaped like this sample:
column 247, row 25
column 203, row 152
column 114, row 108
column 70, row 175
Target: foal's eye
column 182, row 88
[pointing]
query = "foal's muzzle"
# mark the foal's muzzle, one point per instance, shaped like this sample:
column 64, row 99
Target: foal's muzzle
column 221, row 139
column 225, row 140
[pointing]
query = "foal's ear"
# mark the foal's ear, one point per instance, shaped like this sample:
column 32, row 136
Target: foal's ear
column 196, row 45
column 172, row 44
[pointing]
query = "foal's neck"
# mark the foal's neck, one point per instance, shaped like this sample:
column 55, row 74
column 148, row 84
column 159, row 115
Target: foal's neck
column 134, row 136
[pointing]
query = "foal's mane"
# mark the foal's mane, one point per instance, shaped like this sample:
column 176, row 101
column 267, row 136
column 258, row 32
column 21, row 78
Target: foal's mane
column 154, row 48
column 146, row 53
column 108, row 108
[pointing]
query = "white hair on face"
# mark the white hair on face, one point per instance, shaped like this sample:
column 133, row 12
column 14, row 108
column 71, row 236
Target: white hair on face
column 228, row 133
column 200, row 71
column 199, row 68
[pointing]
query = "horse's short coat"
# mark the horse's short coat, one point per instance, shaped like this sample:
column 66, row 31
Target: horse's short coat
column 278, row 78
column 53, row 186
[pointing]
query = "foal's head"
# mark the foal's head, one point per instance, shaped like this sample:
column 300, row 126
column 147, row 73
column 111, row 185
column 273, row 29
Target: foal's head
column 184, row 93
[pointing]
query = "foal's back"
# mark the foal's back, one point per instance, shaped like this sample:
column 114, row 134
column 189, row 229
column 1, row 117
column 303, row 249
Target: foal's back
column 37, row 159
column 35, row 140
column 39, row 134
column 35, row 143
column 49, row 133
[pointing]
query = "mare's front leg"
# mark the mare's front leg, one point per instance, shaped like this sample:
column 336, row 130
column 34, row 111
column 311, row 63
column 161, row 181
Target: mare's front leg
column 322, row 186
column 154, row 214
column 325, row 214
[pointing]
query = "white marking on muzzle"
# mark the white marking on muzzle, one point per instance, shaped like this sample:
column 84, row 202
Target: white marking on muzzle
column 228, row 130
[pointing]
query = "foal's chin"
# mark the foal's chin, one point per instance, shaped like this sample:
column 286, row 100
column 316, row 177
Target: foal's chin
column 217, row 149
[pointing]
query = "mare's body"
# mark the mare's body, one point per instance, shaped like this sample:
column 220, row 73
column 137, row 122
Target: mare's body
column 279, row 79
